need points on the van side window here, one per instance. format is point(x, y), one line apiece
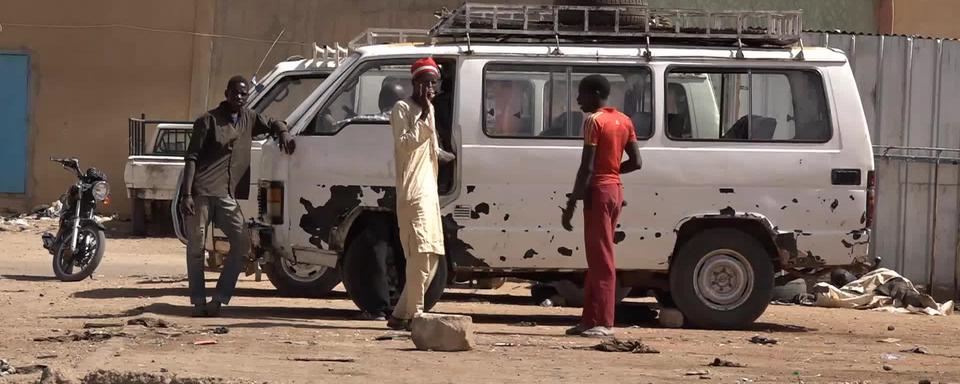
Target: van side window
point(365, 98)
point(746, 105)
point(538, 101)
point(287, 94)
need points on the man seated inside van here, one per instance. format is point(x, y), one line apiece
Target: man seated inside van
point(508, 114)
point(390, 93)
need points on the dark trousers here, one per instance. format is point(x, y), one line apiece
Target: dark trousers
point(225, 213)
point(600, 223)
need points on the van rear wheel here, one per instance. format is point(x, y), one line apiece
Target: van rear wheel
point(721, 279)
point(373, 271)
point(301, 280)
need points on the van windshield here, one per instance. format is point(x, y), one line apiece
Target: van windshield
point(287, 94)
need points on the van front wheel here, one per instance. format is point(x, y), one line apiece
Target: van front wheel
point(721, 279)
point(373, 271)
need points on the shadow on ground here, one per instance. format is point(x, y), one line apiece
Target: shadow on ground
point(28, 278)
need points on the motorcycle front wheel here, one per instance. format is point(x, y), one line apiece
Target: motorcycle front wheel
point(91, 243)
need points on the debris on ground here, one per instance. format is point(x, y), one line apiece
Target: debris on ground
point(221, 330)
point(889, 340)
point(504, 344)
point(524, 324)
point(891, 357)
point(918, 349)
point(115, 377)
point(87, 335)
point(170, 333)
point(324, 359)
point(891, 328)
point(101, 325)
point(52, 375)
point(887, 368)
point(205, 342)
point(6, 368)
point(151, 322)
point(393, 336)
point(616, 345)
point(881, 290)
point(718, 362)
point(763, 340)
point(702, 372)
point(295, 342)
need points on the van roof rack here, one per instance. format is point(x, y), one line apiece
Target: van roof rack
point(390, 36)
point(623, 24)
point(327, 56)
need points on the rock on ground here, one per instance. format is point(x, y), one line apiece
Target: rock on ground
point(447, 333)
point(51, 375)
point(670, 318)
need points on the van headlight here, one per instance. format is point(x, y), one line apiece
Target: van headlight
point(101, 190)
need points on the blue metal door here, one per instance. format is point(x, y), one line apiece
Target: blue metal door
point(14, 71)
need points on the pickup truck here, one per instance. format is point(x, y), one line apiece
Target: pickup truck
point(154, 166)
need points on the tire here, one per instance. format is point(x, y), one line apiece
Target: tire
point(602, 19)
point(92, 244)
point(746, 276)
point(373, 271)
point(301, 280)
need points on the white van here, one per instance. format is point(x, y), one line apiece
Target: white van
point(756, 160)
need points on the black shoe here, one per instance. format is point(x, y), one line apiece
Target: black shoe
point(368, 316)
point(213, 308)
point(398, 324)
point(199, 310)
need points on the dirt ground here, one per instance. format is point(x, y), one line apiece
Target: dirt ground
point(266, 334)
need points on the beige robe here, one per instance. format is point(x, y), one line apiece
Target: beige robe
point(416, 150)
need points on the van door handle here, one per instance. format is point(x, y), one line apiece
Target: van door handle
point(845, 177)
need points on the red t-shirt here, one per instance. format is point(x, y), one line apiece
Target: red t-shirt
point(609, 131)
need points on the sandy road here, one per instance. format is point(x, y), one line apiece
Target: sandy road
point(143, 277)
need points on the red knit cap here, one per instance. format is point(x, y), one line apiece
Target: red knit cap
point(424, 65)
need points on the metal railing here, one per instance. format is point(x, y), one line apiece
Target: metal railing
point(553, 21)
point(937, 157)
point(137, 131)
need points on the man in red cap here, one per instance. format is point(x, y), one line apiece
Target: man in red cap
point(417, 155)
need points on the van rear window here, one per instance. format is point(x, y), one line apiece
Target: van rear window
point(538, 101)
point(756, 105)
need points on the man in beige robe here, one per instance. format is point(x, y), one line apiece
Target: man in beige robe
point(417, 156)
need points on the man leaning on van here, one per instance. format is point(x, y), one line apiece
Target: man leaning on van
point(216, 173)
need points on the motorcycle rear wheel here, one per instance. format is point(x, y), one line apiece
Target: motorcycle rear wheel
point(91, 244)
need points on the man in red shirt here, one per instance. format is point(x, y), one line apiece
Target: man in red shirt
point(607, 133)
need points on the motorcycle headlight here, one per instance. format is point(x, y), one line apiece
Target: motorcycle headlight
point(101, 190)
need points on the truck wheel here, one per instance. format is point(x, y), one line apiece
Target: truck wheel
point(301, 280)
point(373, 271)
point(721, 279)
point(139, 216)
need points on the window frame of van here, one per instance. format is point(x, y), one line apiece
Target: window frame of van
point(549, 66)
point(358, 69)
point(741, 69)
point(256, 103)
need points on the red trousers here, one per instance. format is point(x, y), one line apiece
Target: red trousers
point(600, 224)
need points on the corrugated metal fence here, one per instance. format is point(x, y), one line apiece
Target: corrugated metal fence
point(910, 89)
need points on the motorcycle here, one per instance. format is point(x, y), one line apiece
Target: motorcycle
point(79, 244)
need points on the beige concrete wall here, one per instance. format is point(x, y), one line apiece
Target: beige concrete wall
point(927, 18)
point(86, 82)
point(306, 21)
